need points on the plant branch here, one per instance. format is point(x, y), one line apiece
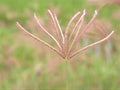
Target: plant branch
point(92, 45)
point(77, 33)
point(55, 25)
point(39, 24)
point(37, 39)
point(86, 27)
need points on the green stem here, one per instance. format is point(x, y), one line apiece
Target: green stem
point(67, 74)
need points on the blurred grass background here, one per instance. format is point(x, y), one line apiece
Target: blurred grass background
point(27, 65)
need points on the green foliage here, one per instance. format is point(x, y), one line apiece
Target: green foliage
point(99, 75)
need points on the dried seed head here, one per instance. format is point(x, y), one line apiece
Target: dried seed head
point(63, 40)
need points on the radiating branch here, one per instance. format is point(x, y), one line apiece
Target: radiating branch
point(69, 24)
point(78, 31)
point(36, 38)
point(78, 22)
point(87, 26)
point(92, 45)
point(59, 28)
point(39, 24)
point(55, 25)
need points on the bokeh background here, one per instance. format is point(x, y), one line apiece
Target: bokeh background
point(28, 65)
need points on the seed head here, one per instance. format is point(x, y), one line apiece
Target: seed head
point(64, 41)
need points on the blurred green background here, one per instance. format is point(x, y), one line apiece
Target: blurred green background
point(28, 65)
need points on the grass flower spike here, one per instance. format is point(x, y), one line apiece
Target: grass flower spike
point(64, 41)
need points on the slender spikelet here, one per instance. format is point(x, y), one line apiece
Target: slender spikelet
point(64, 42)
point(42, 28)
point(92, 45)
point(79, 23)
point(69, 24)
point(36, 38)
point(55, 25)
